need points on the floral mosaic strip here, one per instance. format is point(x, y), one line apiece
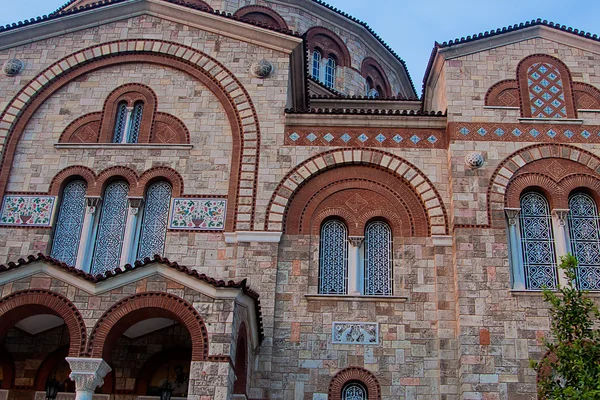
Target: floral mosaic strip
point(198, 214)
point(355, 333)
point(523, 132)
point(27, 210)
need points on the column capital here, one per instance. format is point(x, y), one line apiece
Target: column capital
point(512, 214)
point(92, 202)
point(561, 214)
point(356, 241)
point(87, 373)
point(134, 204)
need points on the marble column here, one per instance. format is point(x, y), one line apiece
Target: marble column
point(88, 374)
point(355, 271)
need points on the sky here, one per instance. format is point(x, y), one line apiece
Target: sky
point(412, 27)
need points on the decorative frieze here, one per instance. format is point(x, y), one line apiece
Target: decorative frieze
point(27, 210)
point(198, 214)
point(551, 132)
point(355, 333)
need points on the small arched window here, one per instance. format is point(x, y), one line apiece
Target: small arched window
point(378, 259)
point(128, 122)
point(111, 228)
point(136, 122)
point(330, 72)
point(537, 242)
point(316, 64)
point(69, 223)
point(354, 391)
point(154, 221)
point(584, 232)
point(120, 122)
point(333, 268)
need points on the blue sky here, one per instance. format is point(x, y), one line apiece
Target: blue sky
point(411, 27)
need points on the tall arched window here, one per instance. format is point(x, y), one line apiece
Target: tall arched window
point(120, 122)
point(333, 271)
point(111, 228)
point(128, 122)
point(69, 222)
point(330, 72)
point(378, 259)
point(154, 221)
point(316, 64)
point(537, 242)
point(584, 232)
point(136, 122)
point(354, 391)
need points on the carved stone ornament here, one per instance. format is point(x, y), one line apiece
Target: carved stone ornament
point(92, 203)
point(88, 373)
point(355, 333)
point(561, 214)
point(261, 69)
point(513, 215)
point(474, 160)
point(134, 204)
point(356, 241)
point(13, 67)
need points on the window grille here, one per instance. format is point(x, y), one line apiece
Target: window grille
point(154, 222)
point(69, 223)
point(354, 391)
point(316, 64)
point(537, 242)
point(330, 72)
point(378, 259)
point(546, 94)
point(111, 228)
point(136, 122)
point(333, 272)
point(584, 232)
point(120, 122)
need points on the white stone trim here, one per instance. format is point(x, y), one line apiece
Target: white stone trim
point(339, 297)
point(554, 121)
point(121, 146)
point(257, 237)
point(442, 240)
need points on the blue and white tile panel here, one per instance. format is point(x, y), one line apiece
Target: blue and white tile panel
point(550, 133)
point(371, 137)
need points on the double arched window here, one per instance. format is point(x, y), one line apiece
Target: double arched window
point(316, 64)
point(324, 69)
point(128, 122)
point(117, 229)
point(355, 265)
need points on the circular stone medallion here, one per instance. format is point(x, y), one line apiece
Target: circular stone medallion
point(13, 67)
point(261, 69)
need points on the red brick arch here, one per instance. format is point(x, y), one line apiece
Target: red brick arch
point(142, 306)
point(261, 15)
point(71, 173)
point(111, 174)
point(522, 183)
point(26, 303)
point(504, 94)
point(354, 374)
point(328, 42)
point(229, 91)
point(159, 173)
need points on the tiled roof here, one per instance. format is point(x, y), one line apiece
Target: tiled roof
point(140, 264)
point(501, 31)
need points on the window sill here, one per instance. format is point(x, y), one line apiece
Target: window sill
point(557, 121)
point(539, 293)
point(120, 146)
point(337, 297)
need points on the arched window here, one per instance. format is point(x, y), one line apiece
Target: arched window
point(136, 122)
point(537, 242)
point(120, 122)
point(69, 222)
point(546, 94)
point(584, 232)
point(333, 271)
point(378, 259)
point(154, 221)
point(354, 391)
point(111, 228)
point(128, 122)
point(330, 72)
point(316, 64)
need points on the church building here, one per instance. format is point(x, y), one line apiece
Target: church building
point(252, 200)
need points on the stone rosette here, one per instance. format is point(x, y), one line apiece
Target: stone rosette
point(261, 69)
point(13, 67)
point(474, 160)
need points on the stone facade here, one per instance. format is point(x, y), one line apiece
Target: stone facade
point(255, 173)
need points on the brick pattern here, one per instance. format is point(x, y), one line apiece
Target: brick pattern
point(354, 374)
point(523, 132)
point(504, 94)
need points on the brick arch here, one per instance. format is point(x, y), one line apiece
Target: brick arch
point(68, 174)
point(504, 94)
point(418, 183)
point(550, 189)
point(158, 173)
point(587, 97)
point(390, 218)
point(332, 213)
point(509, 167)
point(575, 182)
point(262, 15)
point(133, 309)
point(370, 68)
point(8, 368)
point(354, 374)
point(83, 130)
point(26, 303)
point(329, 43)
point(215, 76)
point(111, 174)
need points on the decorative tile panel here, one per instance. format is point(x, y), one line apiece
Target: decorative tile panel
point(27, 210)
point(546, 93)
point(198, 214)
point(361, 137)
point(366, 333)
point(523, 132)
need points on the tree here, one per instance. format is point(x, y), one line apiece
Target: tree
point(571, 368)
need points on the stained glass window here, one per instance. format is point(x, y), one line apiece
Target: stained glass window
point(154, 222)
point(378, 259)
point(111, 228)
point(69, 223)
point(120, 122)
point(537, 242)
point(354, 391)
point(136, 122)
point(330, 72)
point(584, 232)
point(546, 94)
point(333, 271)
point(316, 64)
